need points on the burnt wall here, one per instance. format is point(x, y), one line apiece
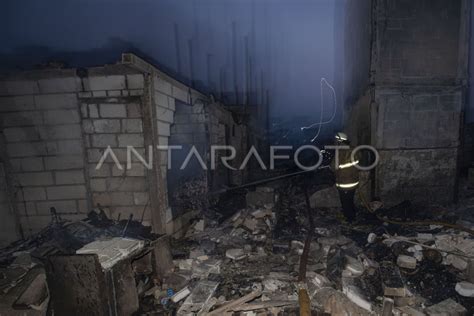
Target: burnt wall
point(57, 127)
point(419, 73)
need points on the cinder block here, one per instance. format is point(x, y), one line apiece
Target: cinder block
point(180, 94)
point(84, 111)
point(60, 117)
point(163, 128)
point(132, 126)
point(98, 185)
point(163, 114)
point(136, 92)
point(162, 86)
point(21, 87)
point(106, 126)
point(93, 111)
point(113, 110)
point(135, 140)
point(27, 164)
point(99, 94)
point(26, 208)
point(56, 101)
point(137, 170)
point(70, 177)
point(140, 198)
point(114, 93)
point(62, 207)
point(26, 149)
point(25, 118)
point(130, 184)
point(104, 170)
point(17, 104)
point(59, 85)
point(34, 194)
point(35, 178)
point(87, 126)
point(112, 198)
point(116, 82)
point(82, 207)
point(65, 147)
point(94, 155)
point(66, 192)
point(104, 140)
point(134, 110)
point(171, 103)
point(161, 99)
point(21, 134)
point(135, 81)
point(83, 95)
point(64, 162)
point(52, 132)
point(163, 140)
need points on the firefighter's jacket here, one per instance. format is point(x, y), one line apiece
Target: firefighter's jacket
point(347, 175)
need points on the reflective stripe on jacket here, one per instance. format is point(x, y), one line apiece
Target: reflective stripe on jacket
point(347, 175)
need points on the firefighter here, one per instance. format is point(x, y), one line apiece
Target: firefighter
point(347, 175)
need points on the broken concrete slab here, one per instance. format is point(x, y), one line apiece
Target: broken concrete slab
point(447, 308)
point(112, 250)
point(392, 281)
point(199, 297)
point(180, 295)
point(456, 261)
point(235, 254)
point(406, 262)
point(465, 289)
point(410, 311)
point(334, 302)
point(354, 266)
point(355, 294)
point(387, 307)
point(199, 226)
point(272, 285)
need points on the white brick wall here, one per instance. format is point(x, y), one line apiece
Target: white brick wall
point(56, 133)
point(96, 83)
point(113, 110)
point(59, 85)
point(69, 177)
point(66, 192)
point(56, 101)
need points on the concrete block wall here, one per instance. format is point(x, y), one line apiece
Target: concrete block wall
point(224, 129)
point(8, 226)
point(57, 126)
point(418, 41)
point(42, 131)
point(418, 65)
point(116, 121)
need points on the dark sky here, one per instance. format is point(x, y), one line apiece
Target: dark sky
point(290, 42)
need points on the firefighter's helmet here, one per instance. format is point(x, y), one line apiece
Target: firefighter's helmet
point(341, 137)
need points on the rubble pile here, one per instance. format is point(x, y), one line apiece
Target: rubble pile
point(23, 275)
point(249, 264)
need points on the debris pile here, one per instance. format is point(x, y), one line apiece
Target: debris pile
point(249, 264)
point(25, 285)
